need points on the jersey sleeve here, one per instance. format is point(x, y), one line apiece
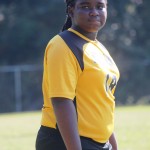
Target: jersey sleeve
point(62, 72)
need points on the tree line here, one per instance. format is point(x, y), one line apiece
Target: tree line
point(26, 26)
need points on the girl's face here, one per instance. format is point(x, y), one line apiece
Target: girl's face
point(89, 15)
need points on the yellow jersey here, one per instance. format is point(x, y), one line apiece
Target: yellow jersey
point(76, 67)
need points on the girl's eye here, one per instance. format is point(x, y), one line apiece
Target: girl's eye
point(85, 7)
point(100, 7)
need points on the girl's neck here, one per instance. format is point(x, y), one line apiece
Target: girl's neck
point(89, 35)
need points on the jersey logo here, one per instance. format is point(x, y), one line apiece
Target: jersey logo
point(111, 83)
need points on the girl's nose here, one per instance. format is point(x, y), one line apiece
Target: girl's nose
point(94, 12)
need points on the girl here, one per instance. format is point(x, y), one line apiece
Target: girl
point(79, 81)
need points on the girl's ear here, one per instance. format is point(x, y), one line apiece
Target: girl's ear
point(70, 11)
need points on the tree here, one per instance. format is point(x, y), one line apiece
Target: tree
point(26, 26)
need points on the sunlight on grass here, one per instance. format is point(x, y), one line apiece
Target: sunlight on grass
point(18, 130)
point(133, 127)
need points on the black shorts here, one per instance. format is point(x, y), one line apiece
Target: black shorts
point(50, 139)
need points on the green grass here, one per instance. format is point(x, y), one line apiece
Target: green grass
point(18, 130)
point(132, 127)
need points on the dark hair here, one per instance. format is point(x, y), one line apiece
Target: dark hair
point(68, 22)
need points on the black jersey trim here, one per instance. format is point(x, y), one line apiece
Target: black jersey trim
point(75, 43)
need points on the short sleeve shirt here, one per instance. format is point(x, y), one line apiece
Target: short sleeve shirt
point(92, 86)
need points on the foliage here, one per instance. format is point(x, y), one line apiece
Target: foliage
point(127, 39)
point(26, 26)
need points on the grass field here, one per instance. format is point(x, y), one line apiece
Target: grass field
point(18, 131)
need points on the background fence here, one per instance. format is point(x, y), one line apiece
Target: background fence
point(20, 88)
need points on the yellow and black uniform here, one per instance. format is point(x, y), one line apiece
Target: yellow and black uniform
point(83, 71)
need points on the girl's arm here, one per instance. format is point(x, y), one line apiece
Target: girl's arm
point(67, 122)
point(113, 142)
